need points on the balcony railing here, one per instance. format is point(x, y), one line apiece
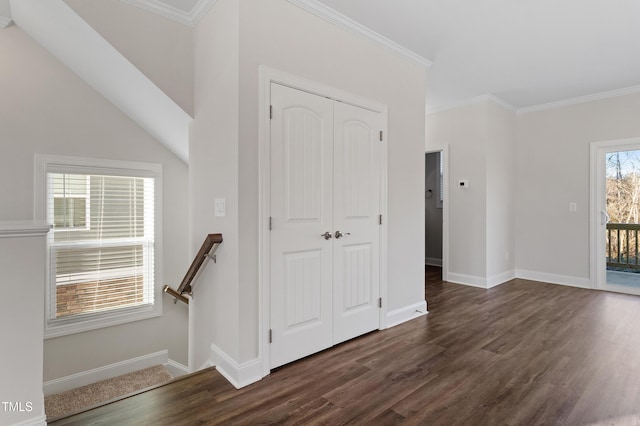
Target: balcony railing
point(622, 245)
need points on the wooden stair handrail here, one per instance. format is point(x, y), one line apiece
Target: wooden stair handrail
point(211, 241)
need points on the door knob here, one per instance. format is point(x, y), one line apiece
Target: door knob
point(327, 235)
point(340, 234)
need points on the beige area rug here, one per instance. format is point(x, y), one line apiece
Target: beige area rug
point(79, 399)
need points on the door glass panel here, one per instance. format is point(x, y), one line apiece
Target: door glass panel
point(623, 221)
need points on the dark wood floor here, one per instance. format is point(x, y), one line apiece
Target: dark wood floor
point(522, 353)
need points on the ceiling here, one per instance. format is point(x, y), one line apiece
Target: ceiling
point(524, 53)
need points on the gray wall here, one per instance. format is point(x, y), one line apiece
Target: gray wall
point(283, 36)
point(46, 109)
point(552, 170)
point(481, 138)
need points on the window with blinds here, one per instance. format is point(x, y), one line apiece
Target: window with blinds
point(102, 242)
point(102, 246)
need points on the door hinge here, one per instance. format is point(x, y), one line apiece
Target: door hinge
point(270, 112)
point(270, 336)
point(270, 223)
point(379, 219)
point(380, 302)
point(380, 135)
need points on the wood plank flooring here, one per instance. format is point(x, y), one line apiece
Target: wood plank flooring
point(523, 353)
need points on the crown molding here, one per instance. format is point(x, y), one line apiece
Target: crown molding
point(4, 22)
point(473, 101)
point(535, 108)
point(348, 24)
point(163, 9)
point(581, 99)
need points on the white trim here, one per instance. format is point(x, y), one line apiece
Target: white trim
point(10, 229)
point(239, 375)
point(432, 261)
point(406, 313)
point(330, 15)
point(554, 278)
point(175, 368)
point(581, 99)
point(470, 280)
point(160, 8)
point(107, 372)
point(597, 182)
point(473, 101)
point(535, 108)
point(41, 420)
point(267, 77)
point(501, 278)
point(5, 21)
point(43, 164)
point(97, 321)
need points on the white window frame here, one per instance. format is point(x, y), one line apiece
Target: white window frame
point(87, 211)
point(54, 163)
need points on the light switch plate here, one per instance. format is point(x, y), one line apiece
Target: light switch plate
point(220, 207)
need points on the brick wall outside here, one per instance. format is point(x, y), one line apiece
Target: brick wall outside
point(98, 296)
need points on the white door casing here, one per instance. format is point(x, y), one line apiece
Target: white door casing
point(325, 179)
point(599, 217)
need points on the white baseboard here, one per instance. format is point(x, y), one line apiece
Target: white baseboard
point(554, 278)
point(107, 372)
point(406, 313)
point(176, 369)
point(432, 261)
point(35, 421)
point(239, 375)
point(501, 278)
point(470, 280)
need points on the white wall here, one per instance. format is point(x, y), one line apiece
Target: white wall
point(481, 139)
point(159, 47)
point(213, 173)
point(464, 129)
point(22, 273)
point(280, 35)
point(552, 170)
point(285, 37)
point(500, 194)
point(46, 109)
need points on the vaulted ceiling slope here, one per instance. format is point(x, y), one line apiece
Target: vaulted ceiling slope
point(71, 40)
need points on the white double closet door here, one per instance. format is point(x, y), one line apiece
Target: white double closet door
point(325, 233)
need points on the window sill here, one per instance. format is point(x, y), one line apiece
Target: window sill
point(65, 327)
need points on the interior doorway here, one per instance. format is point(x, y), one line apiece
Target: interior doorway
point(433, 203)
point(436, 214)
point(616, 228)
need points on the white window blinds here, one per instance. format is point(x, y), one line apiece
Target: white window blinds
point(102, 245)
